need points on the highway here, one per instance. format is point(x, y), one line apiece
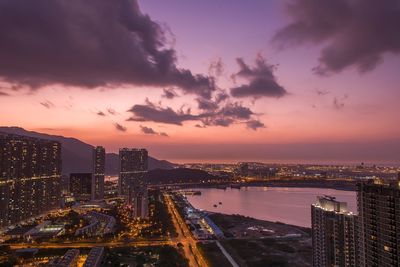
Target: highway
point(185, 236)
point(92, 244)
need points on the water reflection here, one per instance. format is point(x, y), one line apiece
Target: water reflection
point(285, 204)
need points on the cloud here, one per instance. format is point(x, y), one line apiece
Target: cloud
point(221, 96)
point(4, 93)
point(101, 113)
point(254, 124)
point(339, 103)
point(112, 111)
point(261, 80)
point(321, 92)
point(228, 114)
point(47, 104)
point(89, 44)
point(352, 33)
point(151, 112)
point(216, 67)
point(119, 127)
point(169, 93)
point(206, 104)
point(235, 110)
point(148, 130)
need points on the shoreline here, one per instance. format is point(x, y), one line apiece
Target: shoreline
point(326, 184)
point(249, 218)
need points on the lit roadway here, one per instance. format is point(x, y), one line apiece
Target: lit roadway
point(185, 236)
point(93, 244)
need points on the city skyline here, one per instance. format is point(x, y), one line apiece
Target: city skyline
point(269, 102)
point(199, 133)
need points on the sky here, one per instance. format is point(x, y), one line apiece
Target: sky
point(208, 81)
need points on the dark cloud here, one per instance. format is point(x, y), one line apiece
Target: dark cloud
point(148, 130)
point(4, 93)
point(221, 96)
point(218, 121)
point(228, 114)
point(120, 127)
point(89, 44)
point(261, 80)
point(101, 113)
point(235, 110)
point(112, 111)
point(169, 93)
point(254, 124)
point(206, 104)
point(151, 112)
point(47, 104)
point(353, 33)
point(214, 103)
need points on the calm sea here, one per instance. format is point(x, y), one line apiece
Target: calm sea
point(284, 204)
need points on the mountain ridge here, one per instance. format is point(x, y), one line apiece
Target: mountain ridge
point(77, 155)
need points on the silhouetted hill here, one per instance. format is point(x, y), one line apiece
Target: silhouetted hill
point(77, 155)
point(180, 175)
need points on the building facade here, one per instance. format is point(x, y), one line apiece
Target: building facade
point(94, 257)
point(132, 181)
point(334, 234)
point(379, 212)
point(99, 169)
point(80, 185)
point(30, 173)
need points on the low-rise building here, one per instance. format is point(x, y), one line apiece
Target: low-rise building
point(45, 229)
point(70, 259)
point(94, 257)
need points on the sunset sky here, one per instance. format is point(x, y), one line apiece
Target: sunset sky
point(218, 81)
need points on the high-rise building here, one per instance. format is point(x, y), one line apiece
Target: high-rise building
point(132, 181)
point(334, 234)
point(99, 168)
point(80, 185)
point(379, 213)
point(30, 171)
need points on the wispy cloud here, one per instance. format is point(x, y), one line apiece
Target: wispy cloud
point(169, 93)
point(112, 111)
point(339, 103)
point(255, 124)
point(119, 127)
point(151, 131)
point(47, 104)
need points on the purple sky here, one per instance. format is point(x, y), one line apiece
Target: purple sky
point(208, 80)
